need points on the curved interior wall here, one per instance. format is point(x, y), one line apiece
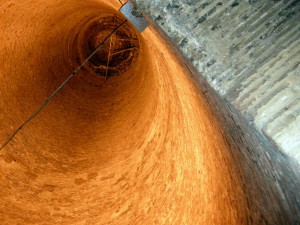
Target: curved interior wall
point(248, 51)
point(144, 146)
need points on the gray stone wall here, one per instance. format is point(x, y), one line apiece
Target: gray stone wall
point(248, 51)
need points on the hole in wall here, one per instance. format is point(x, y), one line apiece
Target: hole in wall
point(117, 54)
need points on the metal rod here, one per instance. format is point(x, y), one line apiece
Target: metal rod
point(121, 2)
point(75, 72)
point(124, 39)
point(127, 49)
point(108, 57)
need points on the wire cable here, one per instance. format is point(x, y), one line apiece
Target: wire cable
point(75, 72)
point(108, 59)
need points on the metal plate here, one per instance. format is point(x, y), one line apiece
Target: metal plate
point(135, 16)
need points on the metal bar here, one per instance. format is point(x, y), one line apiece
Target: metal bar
point(124, 50)
point(121, 2)
point(108, 56)
point(125, 39)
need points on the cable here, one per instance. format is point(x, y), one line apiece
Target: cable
point(75, 72)
point(108, 60)
point(121, 2)
point(127, 49)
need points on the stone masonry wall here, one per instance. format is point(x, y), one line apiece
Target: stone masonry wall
point(248, 51)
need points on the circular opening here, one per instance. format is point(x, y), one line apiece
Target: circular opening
point(119, 51)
